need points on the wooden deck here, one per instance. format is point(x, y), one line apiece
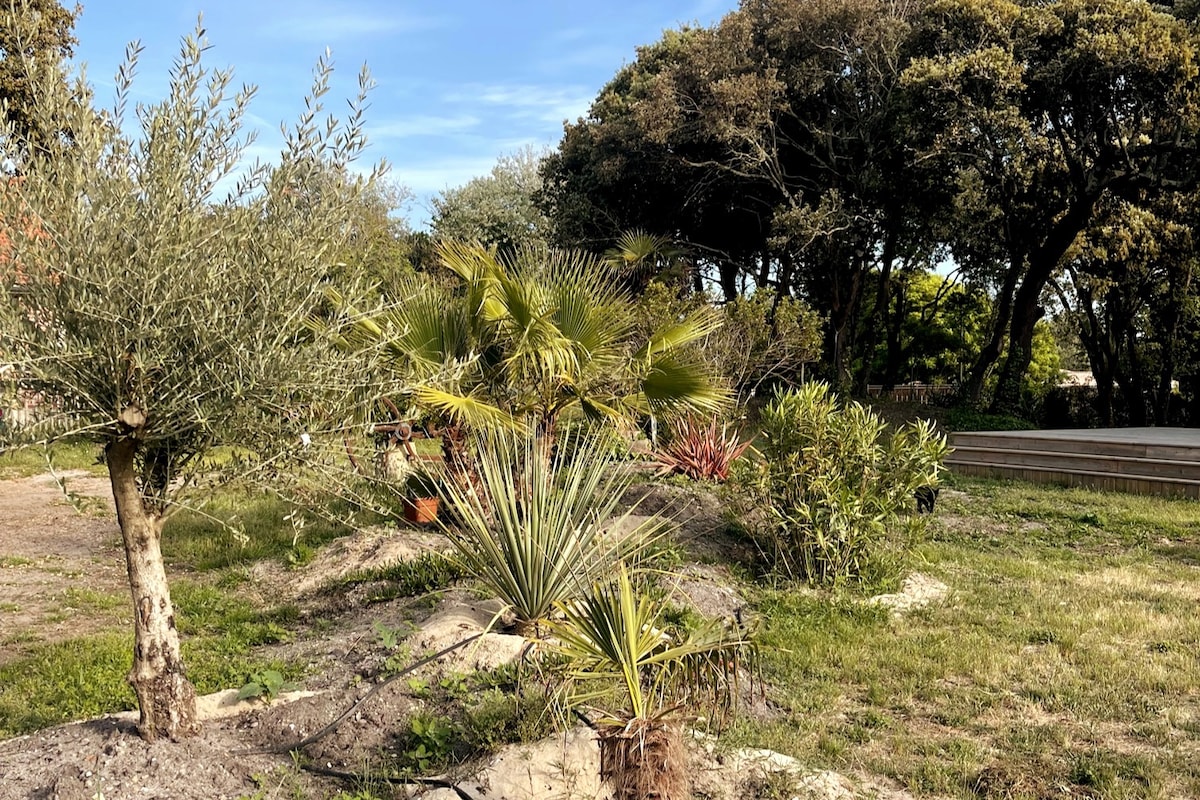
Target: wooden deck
point(1140, 460)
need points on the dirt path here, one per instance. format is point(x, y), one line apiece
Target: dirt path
point(57, 564)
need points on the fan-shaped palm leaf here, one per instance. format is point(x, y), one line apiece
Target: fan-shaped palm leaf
point(670, 383)
point(463, 408)
point(616, 632)
point(638, 249)
point(694, 327)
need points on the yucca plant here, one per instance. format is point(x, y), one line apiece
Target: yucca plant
point(539, 530)
point(703, 452)
point(615, 634)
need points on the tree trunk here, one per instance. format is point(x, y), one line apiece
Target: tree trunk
point(1026, 313)
point(1169, 319)
point(645, 760)
point(893, 323)
point(846, 296)
point(1101, 357)
point(876, 320)
point(1135, 387)
point(727, 273)
point(1027, 309)
point(166, 698)
point(989, 354)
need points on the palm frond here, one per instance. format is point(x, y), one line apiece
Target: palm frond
point(694, 327)
point(463, 408)
point(479, 269)
point(636, 248)
point(615, 632)
point(429, 329)
point(674, 383)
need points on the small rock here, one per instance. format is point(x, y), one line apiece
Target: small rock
point(917, 591)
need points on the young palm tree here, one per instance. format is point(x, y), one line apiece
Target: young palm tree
point(639, 257)
point(615, 634)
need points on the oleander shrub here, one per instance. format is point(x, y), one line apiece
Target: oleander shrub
point(832, 498)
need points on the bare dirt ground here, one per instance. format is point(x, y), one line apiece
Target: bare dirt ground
point(50, 553)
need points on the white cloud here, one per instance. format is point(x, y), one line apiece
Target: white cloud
point(599, 56)
point(329, 27)
point(431, 177)
point(551, 104)
point(421, 125)
point(567, 35)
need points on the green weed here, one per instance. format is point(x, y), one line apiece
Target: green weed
point(76, 597)
point(428, 572)
point(239, 527)
point(265, 684)
point(85, 677)
point(65, 681)
point(26, 462)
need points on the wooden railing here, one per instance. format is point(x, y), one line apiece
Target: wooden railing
point(911, 392)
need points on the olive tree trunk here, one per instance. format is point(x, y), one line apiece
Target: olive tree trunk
point(166, 698)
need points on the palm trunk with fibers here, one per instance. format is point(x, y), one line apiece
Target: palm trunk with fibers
point(165, 696)
point(645, 760)
point(458, 459)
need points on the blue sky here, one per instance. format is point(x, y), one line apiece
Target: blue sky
point(460, 82)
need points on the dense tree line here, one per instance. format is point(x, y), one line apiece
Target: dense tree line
point(836, 150)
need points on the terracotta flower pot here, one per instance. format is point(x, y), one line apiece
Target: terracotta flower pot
point(421, 510)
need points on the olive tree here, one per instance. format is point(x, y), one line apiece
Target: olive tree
point(154, 289)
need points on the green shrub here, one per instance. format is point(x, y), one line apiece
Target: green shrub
point(834, 492)
point(969, 419)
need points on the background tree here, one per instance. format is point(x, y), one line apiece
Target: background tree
point(828, 150)
point(931, 329)
point(497, 209)
point(618, 170)
point(160, 320)
point(770, 145)
point(39, 37)
point(379, 247)
point(1128, 290)
point(1048, 109)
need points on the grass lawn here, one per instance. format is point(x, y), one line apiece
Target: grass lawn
point(26, 462)
point(1064, 661)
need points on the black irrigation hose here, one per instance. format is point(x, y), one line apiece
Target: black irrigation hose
point(305, 742)
point(440, 783)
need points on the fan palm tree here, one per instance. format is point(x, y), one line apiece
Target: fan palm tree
point(639, 257)
point(615, 633)
point(533, 335)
